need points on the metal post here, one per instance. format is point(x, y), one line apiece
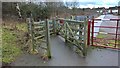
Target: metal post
point(48, 38)
point(116, 33)
point(92, 31)
point(88, 36)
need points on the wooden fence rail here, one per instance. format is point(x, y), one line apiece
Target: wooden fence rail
point(74, 32)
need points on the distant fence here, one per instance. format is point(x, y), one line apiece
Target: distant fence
point(84, 17)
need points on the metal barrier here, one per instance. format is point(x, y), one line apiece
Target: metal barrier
point(110, 39)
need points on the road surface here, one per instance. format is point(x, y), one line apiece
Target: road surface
point(62, 55)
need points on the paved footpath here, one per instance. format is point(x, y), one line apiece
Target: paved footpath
point(62, 55)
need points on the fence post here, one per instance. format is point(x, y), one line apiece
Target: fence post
point(80, 32)
point(29, 25)
point(65, 24)
point(31, 31)
point(32, 35)
point(116, 33)
point(48, 38)
point(85, 38)
point(92, 31)
point(54, 25)
point(88, 36)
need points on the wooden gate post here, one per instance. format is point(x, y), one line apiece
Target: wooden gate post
point(80, 32)
point(54, 26)
point(65, 24)
point(31, 31)
point(85, 38)
point(48, 38)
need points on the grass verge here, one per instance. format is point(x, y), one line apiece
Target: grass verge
point(11, 41)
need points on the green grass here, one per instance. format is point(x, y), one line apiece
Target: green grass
point(110, 41)
point(9, 48)
point(118, 41)
point(101, 36)
point(7, 36)
point(113, 41)
point(22, 26)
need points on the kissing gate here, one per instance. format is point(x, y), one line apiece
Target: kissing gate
point(80, 34)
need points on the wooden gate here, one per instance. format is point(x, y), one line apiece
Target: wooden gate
point(74, 32)
point(40, 37)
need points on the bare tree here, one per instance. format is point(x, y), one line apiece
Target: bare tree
point(55, 7)
point(73, 5)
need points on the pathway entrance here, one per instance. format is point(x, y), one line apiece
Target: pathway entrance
point(62, 55)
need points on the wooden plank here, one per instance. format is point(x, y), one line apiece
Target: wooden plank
point(51, 29)
point(78, 46)
point(42, 40)
point(43, 47)
point(39, 37)
point(39, 27)
point(71, 21)
point(76, 39)
point(75, 29)
point(41, 22)
point(39, 32)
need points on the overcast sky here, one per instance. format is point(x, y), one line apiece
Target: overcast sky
point(96, 3)
point(89, 3)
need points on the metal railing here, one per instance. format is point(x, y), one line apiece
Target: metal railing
point(110, 39)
